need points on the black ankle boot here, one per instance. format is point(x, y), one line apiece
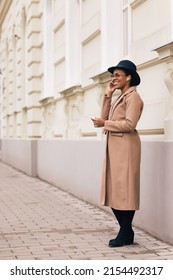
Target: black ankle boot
point(122, 239)
point(126, 233)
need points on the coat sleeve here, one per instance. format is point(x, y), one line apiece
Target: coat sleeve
point(134, 106)
point(106, 105)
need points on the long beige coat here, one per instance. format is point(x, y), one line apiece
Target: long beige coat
point(121, 169)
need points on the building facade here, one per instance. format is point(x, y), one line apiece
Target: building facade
point(54, 56)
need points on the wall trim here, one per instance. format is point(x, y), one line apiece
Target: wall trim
point(135, 3)
point(88, 134)
point(159, 131)
point(91, 37)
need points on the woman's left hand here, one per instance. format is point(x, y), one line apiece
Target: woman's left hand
point(98, 122)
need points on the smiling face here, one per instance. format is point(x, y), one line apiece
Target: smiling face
point(120, 80)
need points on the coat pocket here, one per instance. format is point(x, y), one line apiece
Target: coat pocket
point(119, 134)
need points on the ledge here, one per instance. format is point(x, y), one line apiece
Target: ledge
point(47, 100)
point(158, 131)
point(165, 51)
point(72, 91)
point(101, 77)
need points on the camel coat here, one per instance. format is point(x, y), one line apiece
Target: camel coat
point(121, 169)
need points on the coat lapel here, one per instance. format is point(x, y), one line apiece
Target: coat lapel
point(118, 100)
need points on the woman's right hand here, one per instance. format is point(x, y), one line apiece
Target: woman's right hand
point(110, 89)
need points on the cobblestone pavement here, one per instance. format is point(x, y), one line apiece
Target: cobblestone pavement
point(38, 221)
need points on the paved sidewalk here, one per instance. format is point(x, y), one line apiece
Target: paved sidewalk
point(41, 222)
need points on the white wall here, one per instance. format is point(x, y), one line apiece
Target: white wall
point(22, 154)
point(76, 167)
point(156, 210)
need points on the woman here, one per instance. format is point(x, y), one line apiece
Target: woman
point(121, 172)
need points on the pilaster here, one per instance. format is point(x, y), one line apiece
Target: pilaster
point(111, 51)
point(165, 53)
point(34, 68)
point(72, 49)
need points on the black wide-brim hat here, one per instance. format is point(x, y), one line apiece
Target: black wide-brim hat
point(130, 67)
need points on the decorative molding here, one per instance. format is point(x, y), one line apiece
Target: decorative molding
point(91, 37)
point(101, 77)
point(47, 100)
point(135, 3)
point(169, 81)
point(59, 25)
point(31, 3)
point(58, 135)
point(32, 18)
point(72, 91)
point(159, 131)
point(39, 76)
point(4, 6)
point(59, 61)
point(30, 107)
point(165, 52)
point(89, 134)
